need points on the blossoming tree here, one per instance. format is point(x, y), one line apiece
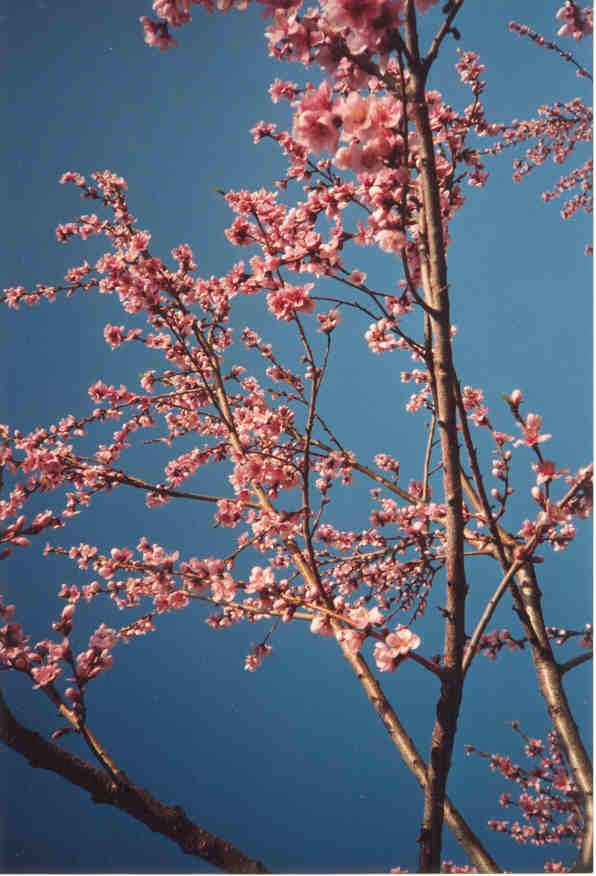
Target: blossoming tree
point(378, 160)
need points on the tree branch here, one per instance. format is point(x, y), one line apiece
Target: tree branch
point(170, 821)
point(575, 661)
point(460, 829)
point(436, 296)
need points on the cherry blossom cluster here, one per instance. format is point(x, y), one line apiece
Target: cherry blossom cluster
point(364, 26)
point(577, 22)
point(170, 585)
point(283, 463)
point(143, 283)
point(491, 644)
point(192, 401)
point(548, 798)
point(44, 661)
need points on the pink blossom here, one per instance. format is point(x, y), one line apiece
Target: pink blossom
point(320, 624)
point(282, 89)
point(157, 34)
point(255, 659)
point(479, 416)
point(260, 579)
point(314, 122)
point(353, 111)
point(328, 321)
point(223, 587)
point(45, 674)
point(471, 398)
point(358, 278)
point(104, 638)
point(289, 300)
point(369, 158)
point(178, 599)
point(384, 658)
point(352, 639)
point(563, 782)
point(575, 24)
point(402, 641)
point(67, 612)
point(391, 241)
point(359, 616)
point(379, 338)
point(375, 616)
point(387, 463)
point(363, 22)
point(546, 471)
point(531, 431)
point(121, 555)
point(396, 644)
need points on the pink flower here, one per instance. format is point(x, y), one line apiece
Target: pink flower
point(546, 471)
point(352, 639)
point(320, 624)
point(318, 132)
point(157, 34)
point(402, 641)
point(114, 335)
point(45, 674)
point(67, 612)
point(224, 587)
point(288, 300)
point(379, 338)
point(354, 112)
point(178, 599)
point(396, 644)
point(358, 278)
point(575, 24)
point(471, 398)
point(104, 638)
point(364, 21)
point(315, 124)
point(479, 416)
point(375, 616)
point(369, 158)
point(282, 89)
point(359, 616)
point(260, 579)
point(531, 432)
point(255, 659)
point(384, 658)
point(353, 14)
point(391, 241)
point(328, 321)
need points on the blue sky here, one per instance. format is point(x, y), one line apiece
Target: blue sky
point(288, 763)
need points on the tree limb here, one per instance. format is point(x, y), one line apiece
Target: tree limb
point(170, 821)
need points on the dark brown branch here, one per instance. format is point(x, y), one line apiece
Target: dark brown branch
point(478, 855)
point(436, 296)
point(446, 28)
point(170, 821)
